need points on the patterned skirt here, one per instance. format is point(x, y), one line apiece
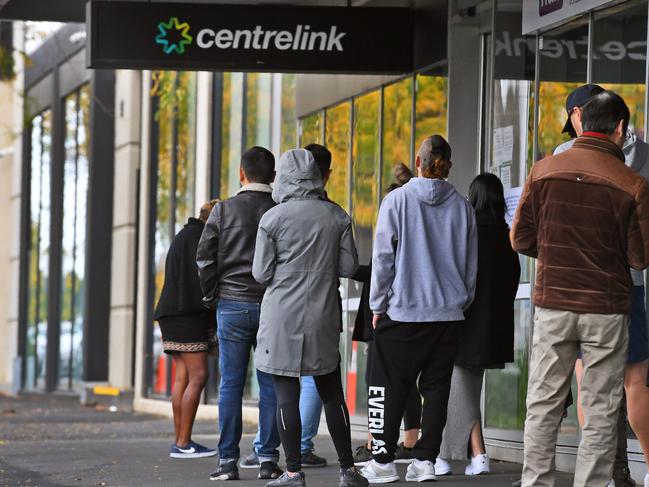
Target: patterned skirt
point(194, 332)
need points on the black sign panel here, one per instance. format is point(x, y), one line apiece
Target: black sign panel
point(143, 35)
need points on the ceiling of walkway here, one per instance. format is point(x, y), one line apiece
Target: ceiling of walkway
point(74, 10)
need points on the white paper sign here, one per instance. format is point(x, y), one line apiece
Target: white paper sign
point(506, 176)
point(503, 147)
point(512, 197)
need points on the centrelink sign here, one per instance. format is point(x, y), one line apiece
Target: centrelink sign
point(152, 35)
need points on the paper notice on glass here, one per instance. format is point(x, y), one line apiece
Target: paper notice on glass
point(503, 148)
point(512, 197)
point(506, 176)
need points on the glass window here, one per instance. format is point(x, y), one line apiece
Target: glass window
point(39, 245)
point(75, 192)
point(311, 129)
point(258, 106)
point(431, 106)
point(337, 138)
point(397, 128)
point(173, 166)
point(231, 133)
point(619, 63)
point(288, 115)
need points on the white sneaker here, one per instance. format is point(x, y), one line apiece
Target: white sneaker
point(646, 480)
point(420, 471)
point(612, 483)
point(479, 465)
point(380, 473)
point(442, 467)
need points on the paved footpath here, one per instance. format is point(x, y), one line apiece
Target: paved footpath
point(47, 441)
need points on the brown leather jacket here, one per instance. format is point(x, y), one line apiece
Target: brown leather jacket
point(585, 216)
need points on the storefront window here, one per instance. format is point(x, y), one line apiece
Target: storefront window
point(311, 129)
point(39, 245)
point(173, 168)
point(231, 133)
point(75, 193)
point(431, 106)
point(258, 106)
point(337, 138)
point(288, 115)
point(397, 128)
point(619, 64)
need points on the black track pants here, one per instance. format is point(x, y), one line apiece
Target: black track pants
point(401, 353)
point(330, 390)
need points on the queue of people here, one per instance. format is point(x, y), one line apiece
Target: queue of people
point(437, 309)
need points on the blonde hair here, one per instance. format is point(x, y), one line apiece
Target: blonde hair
point(206, 209)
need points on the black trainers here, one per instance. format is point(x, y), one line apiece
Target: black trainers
point(226, 471)
point(622, 475)
point(311, 460)
point(269, 470)
point(351, 477)
point(362, 456)
point(403, 454)
point(287, 481)
point(251, 461)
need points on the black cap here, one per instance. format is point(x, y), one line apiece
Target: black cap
point(440, 147)
point(578, 98)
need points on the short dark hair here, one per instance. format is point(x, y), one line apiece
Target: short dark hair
point(487, 196)
point(603, 112)
point(258, 165)
point(322, 157)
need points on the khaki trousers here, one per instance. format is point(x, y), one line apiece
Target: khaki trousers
point(558, 336)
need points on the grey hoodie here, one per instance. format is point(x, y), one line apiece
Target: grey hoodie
point(425, 257)
point(304, 245)
point(636, 155)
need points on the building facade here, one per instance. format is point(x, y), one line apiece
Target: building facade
point(106, 166)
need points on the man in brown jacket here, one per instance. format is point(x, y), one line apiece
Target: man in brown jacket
point(585, 216)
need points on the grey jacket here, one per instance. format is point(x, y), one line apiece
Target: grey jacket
point(304, 245)
point(636, 153)
point(425, 258)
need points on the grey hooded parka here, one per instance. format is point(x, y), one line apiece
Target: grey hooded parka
point(304, 245)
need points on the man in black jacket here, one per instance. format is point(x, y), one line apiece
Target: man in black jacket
point(224, 257)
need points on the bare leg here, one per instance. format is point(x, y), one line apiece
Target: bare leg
point(411, 438)
point(196, 365)
point(369, 441)
point(637, 403)
point(180, 384)
point(475, 441)
point(579, 372)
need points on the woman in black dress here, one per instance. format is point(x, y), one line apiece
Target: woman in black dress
point(188, 332)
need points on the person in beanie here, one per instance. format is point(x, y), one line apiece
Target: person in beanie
point(224, 257)
point(188, 333)
point(424, 267)
point(585, 216)
point(304, 245)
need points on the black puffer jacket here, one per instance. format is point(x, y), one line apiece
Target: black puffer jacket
point(181, 293)
point(487, 336)
point(227, 247)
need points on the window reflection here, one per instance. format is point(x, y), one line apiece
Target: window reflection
point(75, 192)
point(289, 116)
point(431, 106)
point(337, 132)
point(38, 285)
point(311, 129)
point(397, 128)
point(231, 133)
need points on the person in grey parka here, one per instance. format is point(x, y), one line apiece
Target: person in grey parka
point(304, 245)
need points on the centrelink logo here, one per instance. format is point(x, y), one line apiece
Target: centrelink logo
point(174, 37)
point(549, 6)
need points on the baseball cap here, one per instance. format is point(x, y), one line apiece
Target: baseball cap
point(440, 147)
point(578, 98)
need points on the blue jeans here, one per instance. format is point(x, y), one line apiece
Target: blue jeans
point(310, 410)
point(237, 331)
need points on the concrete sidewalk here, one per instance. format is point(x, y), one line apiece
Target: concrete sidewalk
point(52, 441)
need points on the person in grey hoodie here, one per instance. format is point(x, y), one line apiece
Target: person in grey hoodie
point(304, 245)
point(424, 268)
